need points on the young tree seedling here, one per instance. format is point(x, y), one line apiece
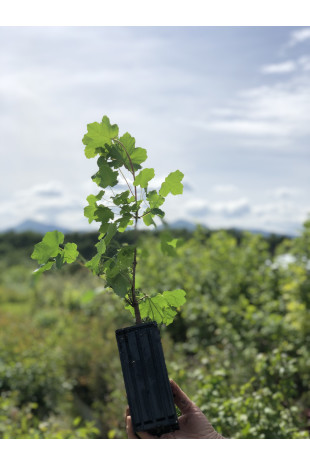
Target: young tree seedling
point(134, 202)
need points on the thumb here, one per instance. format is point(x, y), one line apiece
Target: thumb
point(180, 398)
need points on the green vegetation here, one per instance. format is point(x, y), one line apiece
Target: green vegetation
point(116, 213)
point(239, 346)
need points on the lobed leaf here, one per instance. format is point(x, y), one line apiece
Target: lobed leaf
point(155, 200)
point(158, 212)
point(45, 267)
point(123, 222)
point(48, 247)
point(103, 214)
point(70, 252)
point(162, 307)
point(89, 211)
point(172, 184)
point(94, 263)
point(110, 233)
point(120, 284)
point(105, 176)
point(98, 136)
point(175, 298)
point(148, 217)
point(168, 244)
point(143, 178)
point(121, 261)
point(136, 154)
point(120, 199)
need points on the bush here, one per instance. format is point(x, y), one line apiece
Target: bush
point(239, 347)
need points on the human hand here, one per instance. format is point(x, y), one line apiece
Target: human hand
point(193, 423)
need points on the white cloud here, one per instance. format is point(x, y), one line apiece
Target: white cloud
point(225, 188)
point(229, 209)
point(149, 81)
point(50, 189)
point(298, 36)
point(284, 193)
point(247, 127)
point(300, 64)
point(50, 203)
point(304, 62)
point(274, 115)
point(279, 211)
point(279, 68)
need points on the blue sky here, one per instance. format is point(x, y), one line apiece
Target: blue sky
point(228, 106)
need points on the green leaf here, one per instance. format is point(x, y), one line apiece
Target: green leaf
point(59, 260)
point(111, 130)
point(154, 199)
point(43, 268)
point(89, 211)
point(105, 176)
point(124, 222)
point(148, 217)
point(114, 154)
point(175, 298)
point(152, 308)
point(167, 244)
point(48, 247)
point(98, 135)
point(70, 252)
point(158, 212)
point(125, 257)
point(172, 184)
point(120, 199)
point(173, 243)
point(94, 263)
point(135, 207)
point(129, 143)
point(120, 284)
point(137, 155)
point(121, 261)
point(103, 214)
point(101, 246)
point(157, 309)
point(169, 316)
point(143, 178)
point(111, 231)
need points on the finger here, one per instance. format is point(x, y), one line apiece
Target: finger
point(181, 399)
point(127, 413)
point(129, 428)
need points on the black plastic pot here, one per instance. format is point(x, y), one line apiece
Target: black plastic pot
point(146, 380)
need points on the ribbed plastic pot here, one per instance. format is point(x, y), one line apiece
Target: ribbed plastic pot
point(146, 379)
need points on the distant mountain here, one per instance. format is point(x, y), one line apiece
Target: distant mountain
point(36, 226)
point(262, 232)
point(182, 224)
point(42, 228)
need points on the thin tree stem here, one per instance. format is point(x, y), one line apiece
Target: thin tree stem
point(135, 302)
point(126, 181)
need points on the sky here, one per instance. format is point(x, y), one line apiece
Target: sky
point(227, 106)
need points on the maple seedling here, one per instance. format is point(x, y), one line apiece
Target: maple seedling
point(118, 156)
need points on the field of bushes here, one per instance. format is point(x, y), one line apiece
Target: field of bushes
point(239, 347)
